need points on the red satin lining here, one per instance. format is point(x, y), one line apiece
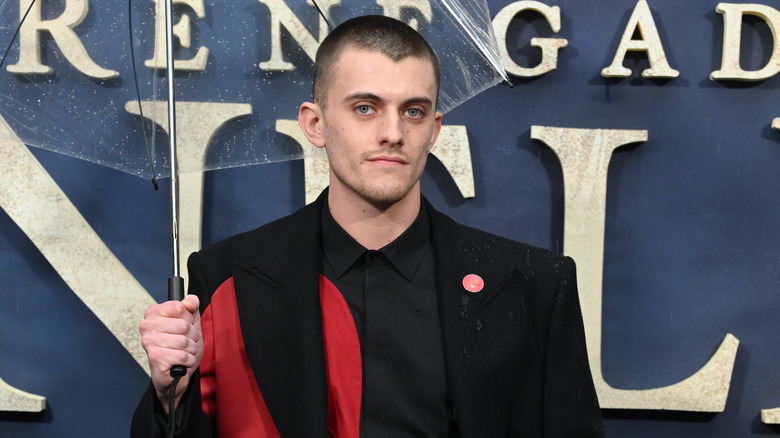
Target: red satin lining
point(228, 386)
point(342, 362)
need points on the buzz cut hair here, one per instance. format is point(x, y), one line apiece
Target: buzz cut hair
point(378, 33)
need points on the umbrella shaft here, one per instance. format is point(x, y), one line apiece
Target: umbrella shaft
point(172, 137)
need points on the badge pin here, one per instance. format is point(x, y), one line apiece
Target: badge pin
point(473, 283)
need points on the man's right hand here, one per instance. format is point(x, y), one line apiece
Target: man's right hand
point(171, 335)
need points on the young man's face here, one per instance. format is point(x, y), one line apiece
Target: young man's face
point(379, 124)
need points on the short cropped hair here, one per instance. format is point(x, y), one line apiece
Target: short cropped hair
point(386, 35)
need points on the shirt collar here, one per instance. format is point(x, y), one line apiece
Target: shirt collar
point(405, 253)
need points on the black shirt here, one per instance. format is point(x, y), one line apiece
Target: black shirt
point(391, 293)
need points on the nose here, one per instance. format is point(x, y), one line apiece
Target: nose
point(391, 131)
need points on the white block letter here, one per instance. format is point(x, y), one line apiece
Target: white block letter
point(732, 36)
point(641, 18)
point(182, 32)
point(282, 15)
point(61, 31)
point(549, 46)
point(585, 156)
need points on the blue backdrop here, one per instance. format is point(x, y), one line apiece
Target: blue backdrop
point(691, 253)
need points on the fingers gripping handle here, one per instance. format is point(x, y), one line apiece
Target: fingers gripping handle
point(176, 292)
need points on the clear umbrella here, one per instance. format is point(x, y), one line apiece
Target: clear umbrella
point(67, 83)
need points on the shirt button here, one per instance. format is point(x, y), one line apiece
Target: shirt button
point(373, 255)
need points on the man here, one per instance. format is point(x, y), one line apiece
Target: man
point(368, 313)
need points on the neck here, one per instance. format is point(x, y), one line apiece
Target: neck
point(370, 225)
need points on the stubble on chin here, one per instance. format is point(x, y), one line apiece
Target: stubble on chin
point(383, 197)
point(380, 194)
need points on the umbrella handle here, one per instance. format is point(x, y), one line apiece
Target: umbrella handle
point(176, 292)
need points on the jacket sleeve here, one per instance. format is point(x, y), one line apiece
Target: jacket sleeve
point(150, 421)
point(571, 407)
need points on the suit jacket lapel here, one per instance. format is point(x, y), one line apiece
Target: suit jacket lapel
point(281, 322)
point(462, 313)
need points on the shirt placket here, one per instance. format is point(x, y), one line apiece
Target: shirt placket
point(376, 295)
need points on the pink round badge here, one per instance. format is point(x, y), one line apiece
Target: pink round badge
point(473, 283)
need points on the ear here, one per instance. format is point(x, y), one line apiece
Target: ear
point(436, 131)
point(310, 119)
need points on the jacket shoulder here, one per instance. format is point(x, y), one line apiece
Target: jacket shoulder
point(497, 250)
point(216, 262)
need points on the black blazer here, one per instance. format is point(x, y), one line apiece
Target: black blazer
point(515, 352)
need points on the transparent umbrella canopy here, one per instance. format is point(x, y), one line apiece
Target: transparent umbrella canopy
point(72, 78)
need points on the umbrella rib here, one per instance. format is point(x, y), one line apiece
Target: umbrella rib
point(323, 13)
point(138, 96)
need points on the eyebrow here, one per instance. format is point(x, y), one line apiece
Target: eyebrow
point(420, 100)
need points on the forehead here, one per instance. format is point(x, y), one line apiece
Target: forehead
point(363, 70)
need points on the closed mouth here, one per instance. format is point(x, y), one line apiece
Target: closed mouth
point(388, 160)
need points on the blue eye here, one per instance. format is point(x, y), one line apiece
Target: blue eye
point(363, 109)
point(414, 113)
